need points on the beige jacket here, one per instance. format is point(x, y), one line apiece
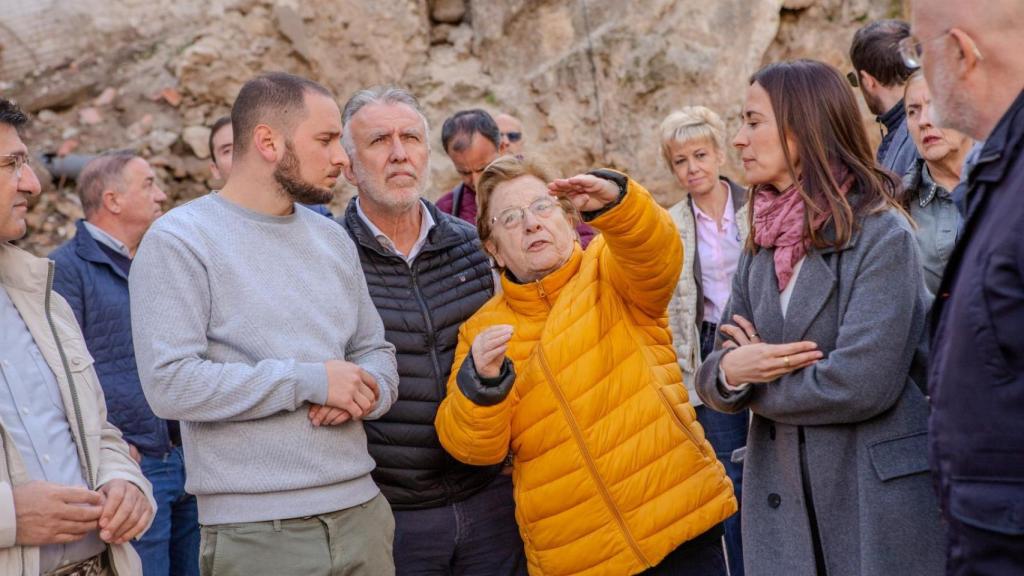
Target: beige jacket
point(686, 309)
point(103, 454)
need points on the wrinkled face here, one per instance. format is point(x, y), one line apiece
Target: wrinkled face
point(313, 158)
point(16, 186)
point(391, 161)
point(759, 145)
point(510, 128)
point(471, 160)
point(696, 164)
point(140, 198)
point(934, 144)
point(951, 105)
point(223, 147)
point(539, 242)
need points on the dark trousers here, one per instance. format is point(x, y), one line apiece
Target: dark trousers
point(975, 551)
point(702, 556)
point(171, 545)
point(726, 433)
point(478, 536)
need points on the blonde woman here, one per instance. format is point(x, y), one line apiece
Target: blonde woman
point(712, 222)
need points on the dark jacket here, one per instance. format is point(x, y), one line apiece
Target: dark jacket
point(97, 291)
point(847, 434)
point(976, 374)
point(422, 307)
point(897, 152)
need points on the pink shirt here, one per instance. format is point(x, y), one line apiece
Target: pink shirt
point(719, 252)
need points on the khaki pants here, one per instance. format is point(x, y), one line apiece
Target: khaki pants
point(352, 542)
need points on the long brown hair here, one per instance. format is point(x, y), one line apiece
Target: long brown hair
point(815, 107)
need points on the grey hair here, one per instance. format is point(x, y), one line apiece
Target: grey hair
point(105, 172)
point(377, 95)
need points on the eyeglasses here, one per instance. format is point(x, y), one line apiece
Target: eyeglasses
point(852, 78)
point(513, 136)
point(912, 49)
point(511, 218)
point(18, 161)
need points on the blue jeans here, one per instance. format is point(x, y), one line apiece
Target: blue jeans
point(478, 536)
point(726, 433)
point(171, 545)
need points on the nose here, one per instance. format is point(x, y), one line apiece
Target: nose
point(475, 179)
point(398, 153)
point(160, 195)
point(740, 140)
point(29, 182)
point(924, 119)
point(339, 157)
point(531, 223)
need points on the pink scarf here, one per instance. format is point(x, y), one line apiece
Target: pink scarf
point(779, 224)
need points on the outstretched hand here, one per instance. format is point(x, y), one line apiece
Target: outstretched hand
point(587, 192)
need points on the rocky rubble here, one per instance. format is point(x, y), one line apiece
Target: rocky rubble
point(590, 79)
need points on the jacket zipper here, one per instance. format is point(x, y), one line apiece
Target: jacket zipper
point(432, 334)
point(587, 457)
point(71, 382)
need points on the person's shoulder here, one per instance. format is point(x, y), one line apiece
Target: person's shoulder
point(884, 227)
point(195, 212)
point(66, 252)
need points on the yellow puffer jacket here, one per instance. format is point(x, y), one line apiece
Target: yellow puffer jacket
point(611, 469)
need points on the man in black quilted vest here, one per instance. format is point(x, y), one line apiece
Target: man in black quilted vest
point(426, 274)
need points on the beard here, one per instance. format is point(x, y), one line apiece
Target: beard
point(288, 177)
point(950, 107)
point(379, 194)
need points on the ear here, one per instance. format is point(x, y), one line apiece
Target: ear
point(264, 140)
point(215, 171)
point(868, 81)
point(721, 157)
point(970, 57)
point(350, 174)
point(492, 249)
point(111, 201)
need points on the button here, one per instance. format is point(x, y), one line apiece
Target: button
point(24, 411)
point(774, 500)
point(771, 431)
point(46, 458)
point(6, 364)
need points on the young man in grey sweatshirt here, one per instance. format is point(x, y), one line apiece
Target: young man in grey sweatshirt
point(269, 362)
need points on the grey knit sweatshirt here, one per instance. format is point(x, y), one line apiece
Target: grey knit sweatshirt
point(233, 315)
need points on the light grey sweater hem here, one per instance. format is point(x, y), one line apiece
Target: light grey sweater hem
point(235, 508)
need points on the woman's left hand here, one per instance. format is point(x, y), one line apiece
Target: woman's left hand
point(741, 334)
point(587, 192)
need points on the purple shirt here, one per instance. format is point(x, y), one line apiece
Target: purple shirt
point(719, 251)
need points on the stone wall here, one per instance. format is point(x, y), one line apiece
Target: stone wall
point(591, 79)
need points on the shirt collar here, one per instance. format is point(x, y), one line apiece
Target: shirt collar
point(427, 222)
point(101, 236)
point(929, 188)
point(727, 216)
point(893, 117)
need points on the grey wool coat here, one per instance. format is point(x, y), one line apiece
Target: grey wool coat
point(849, 433)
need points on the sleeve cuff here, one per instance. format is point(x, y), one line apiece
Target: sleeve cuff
point(485, 391)
point(8, 516)
point(384, 402)
point(311, 383)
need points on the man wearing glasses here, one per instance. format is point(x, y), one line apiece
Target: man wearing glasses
point(71, 496)
point(972, 55)
point(881, 75)
point(511, 133)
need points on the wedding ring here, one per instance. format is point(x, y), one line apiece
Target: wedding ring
point(786, 360)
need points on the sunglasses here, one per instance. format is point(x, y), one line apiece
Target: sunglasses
point(513, 136)
point(853, 78)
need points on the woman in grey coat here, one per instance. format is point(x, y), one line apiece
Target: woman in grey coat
point(827, 311)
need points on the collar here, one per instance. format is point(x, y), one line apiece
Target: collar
point(537, 298)
point(103, 237)
point(427, 223)
point(995, 157)
point(730, 213)
point(21, 270)
point(893, 117)
point(928, 189)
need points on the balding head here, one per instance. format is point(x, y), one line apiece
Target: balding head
point(973, 59)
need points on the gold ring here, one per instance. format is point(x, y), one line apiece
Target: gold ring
point(786, 360)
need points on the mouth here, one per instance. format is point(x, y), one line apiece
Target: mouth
point(408, 175)
point(537, 245)
point(695, 181)
point(930, 140)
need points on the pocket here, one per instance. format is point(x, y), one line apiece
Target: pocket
point(898, 457)
point(990, 504)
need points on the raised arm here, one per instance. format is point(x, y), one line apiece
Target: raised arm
point(170, 307)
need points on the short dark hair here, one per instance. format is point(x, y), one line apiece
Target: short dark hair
point(220, 123)
point(102, 173)
point(276, 97)
point(464, 124)
point(11, 114)
point(875, 50)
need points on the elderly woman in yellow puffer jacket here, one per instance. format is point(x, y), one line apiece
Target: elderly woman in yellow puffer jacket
point(571, 367)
